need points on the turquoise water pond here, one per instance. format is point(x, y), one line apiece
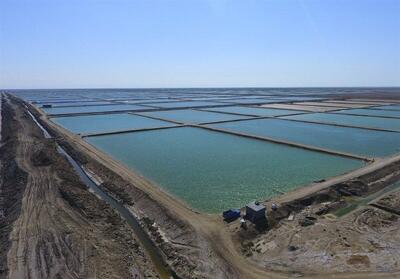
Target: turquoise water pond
point(78, 103)
point(254, 111)
point(193, 116)
point(351, 140)
point(107, 122)
point(252, 101)
point(84, 109)
point(183, 104)
point(391, 107)
point(213, 171)
point(372, 112)
point(352, 120)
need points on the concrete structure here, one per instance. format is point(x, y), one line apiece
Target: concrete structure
point(255, 211)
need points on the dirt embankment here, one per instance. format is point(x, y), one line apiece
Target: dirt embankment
point(314, 241)
point(360, 187)
point(51, 226)
point(12, 185)
point(389, 202)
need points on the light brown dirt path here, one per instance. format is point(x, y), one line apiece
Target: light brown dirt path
point(64, 231)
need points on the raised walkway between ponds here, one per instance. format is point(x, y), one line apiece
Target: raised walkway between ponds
point(129, 131)
point(157, 118)
point(338, 125)
point(366, 115)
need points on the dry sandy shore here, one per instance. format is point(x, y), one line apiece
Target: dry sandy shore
point(199, 245)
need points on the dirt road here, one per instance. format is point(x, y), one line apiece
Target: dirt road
point(51, 226)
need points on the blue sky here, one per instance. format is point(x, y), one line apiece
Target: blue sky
point(199, 43)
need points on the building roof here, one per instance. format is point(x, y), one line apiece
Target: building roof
point(256, 206)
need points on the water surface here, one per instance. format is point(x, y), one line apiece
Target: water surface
point(193, 116)
point(107, 122)
point(254, 111)
point(389, 107)
point(184, 104)
point(351, 120)
point(213, 171)
point(87, 109)
point(372, 112)
point(76, 103)
point(351, 140)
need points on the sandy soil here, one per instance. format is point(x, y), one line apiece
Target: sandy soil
point(390, 202)
point(365, 240)
point(197, 245)
point(303, 192)
point(50, 225)
point(340, 102)
point(391, 99)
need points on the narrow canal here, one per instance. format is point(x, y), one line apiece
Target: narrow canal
point(161, 266)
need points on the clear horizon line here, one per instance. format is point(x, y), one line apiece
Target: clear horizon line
point(204, 87)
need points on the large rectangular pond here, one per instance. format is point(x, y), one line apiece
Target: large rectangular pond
point(184, 104)
point(107, 123)
point(372, 112)
point(254, 111)
point(252, 101)
point(351, 120)
point(213, 171)
point(390, 107)
point(351, 140)
point(193, 116)
point(88, 109)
